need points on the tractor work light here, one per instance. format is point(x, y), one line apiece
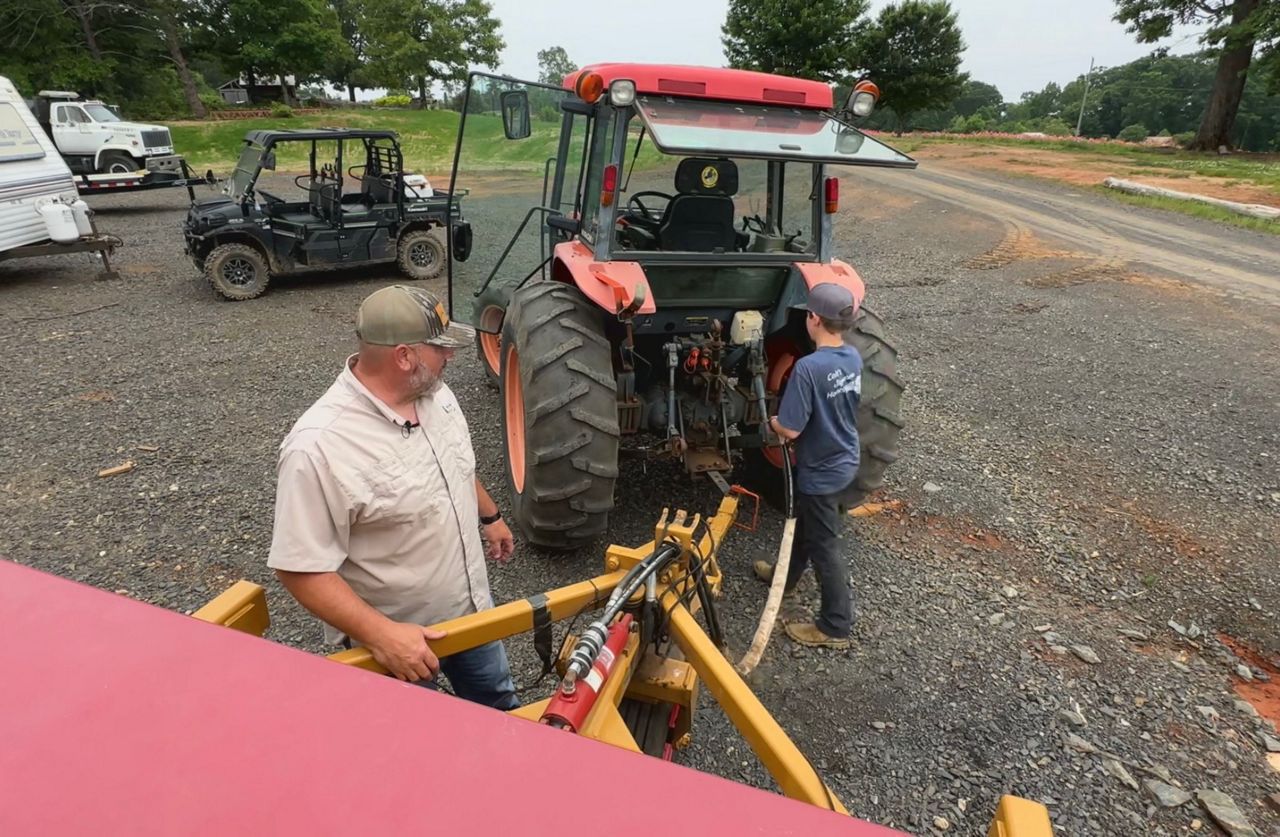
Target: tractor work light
point(622, 92)
point(590, 87)
point(863, 98)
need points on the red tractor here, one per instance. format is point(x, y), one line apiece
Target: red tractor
point(650, 287)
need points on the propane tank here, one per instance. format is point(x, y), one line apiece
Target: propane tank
point(80, 210)
point(59, 222)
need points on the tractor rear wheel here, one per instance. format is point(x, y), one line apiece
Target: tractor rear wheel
point(880, 407)
point(560, 415)
point(879, 412)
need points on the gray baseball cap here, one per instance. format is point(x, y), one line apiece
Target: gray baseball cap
point(401, 314)
point(831, 301)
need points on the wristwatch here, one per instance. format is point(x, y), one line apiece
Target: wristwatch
point(486, 521)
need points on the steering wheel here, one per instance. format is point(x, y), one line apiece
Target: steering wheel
point(270, 197)
point(642, 213)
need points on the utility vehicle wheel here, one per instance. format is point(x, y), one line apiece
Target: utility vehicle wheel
point(117, 162)
point(487, 314)
point(421, 255)
point(879, 411)
point(560, 415)
point(237, 271)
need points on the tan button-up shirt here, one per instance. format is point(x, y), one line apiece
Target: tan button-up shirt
point(391, 509)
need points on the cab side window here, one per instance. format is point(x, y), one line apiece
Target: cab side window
point(72, 115)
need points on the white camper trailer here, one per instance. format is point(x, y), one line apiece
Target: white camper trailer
point(40, 211)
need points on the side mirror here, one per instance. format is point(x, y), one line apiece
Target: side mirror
point(515, 114)
point(269, 161)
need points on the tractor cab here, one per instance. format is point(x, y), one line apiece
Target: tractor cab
point(303, 200)
point(675, 218)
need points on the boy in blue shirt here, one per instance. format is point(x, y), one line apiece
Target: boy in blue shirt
point(819, 415)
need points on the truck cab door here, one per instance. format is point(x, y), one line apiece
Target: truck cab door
point(73, 131)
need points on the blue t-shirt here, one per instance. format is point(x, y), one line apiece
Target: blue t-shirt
point(821, 404)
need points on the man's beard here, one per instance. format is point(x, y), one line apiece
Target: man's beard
point(423, 382)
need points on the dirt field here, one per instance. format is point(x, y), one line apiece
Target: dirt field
point(1088, 170)
point(1084, 555)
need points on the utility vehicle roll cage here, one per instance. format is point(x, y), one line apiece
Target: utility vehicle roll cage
point(381, 175)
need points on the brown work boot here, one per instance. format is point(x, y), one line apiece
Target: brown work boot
point(807, 633)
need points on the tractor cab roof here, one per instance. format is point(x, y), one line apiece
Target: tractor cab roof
point(714, 83)
point(267, 138)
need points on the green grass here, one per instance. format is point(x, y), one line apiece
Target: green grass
point(427, 139)
point(1198, 210)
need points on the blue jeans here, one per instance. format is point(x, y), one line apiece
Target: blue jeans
point(817, 543)
point(481, 675)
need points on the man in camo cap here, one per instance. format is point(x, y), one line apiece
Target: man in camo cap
point(381, 525)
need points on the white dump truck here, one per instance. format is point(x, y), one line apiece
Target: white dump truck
point(93, 139)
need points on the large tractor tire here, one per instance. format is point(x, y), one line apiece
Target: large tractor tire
point(560, 415)
point(879, 413)
point(487, 315)
point(880, 408)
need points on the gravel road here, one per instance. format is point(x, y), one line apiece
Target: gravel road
point(1092, 455)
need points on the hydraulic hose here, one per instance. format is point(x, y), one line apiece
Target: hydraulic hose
point(596, 634)
point(774, 601)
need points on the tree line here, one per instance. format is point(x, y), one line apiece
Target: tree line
point(164, 57)
point(1223, 95)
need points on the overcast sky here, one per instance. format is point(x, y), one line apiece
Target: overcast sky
point(1017, 45)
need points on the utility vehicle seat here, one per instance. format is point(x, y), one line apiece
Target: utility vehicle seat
point(700, 217)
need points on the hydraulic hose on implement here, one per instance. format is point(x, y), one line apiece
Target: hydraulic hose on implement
point(774, 601)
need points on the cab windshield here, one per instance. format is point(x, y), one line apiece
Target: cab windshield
point(101, 113)
point(242, 176)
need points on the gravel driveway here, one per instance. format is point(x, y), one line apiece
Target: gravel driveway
point(1092, 457)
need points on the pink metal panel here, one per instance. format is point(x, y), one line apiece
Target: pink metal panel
point(119, 718)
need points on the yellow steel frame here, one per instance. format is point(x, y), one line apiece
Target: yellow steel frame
point(640, 673)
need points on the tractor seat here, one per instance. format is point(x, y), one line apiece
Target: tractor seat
point(699, 219)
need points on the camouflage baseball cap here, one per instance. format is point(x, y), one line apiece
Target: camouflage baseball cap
point(401, 314)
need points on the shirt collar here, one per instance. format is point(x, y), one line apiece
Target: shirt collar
point(348, 377)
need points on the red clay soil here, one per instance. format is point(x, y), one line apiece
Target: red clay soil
point(1084, 171)
point(1265, 696)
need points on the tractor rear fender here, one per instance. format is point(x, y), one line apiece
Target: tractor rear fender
point(611, 285)
point(803, 277)
point(842, 273)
